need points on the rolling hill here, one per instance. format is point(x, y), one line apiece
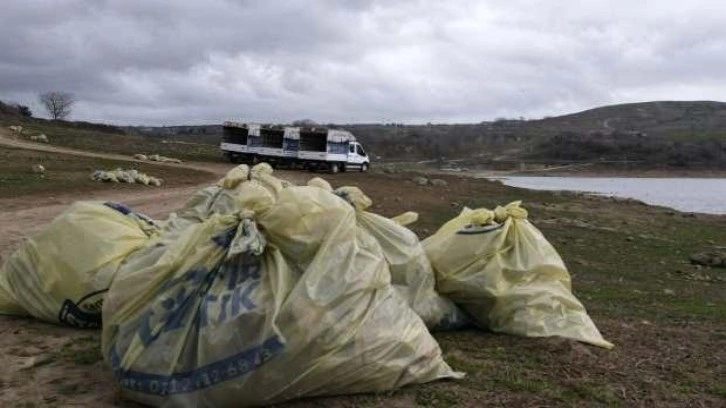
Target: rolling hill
point(679, 134)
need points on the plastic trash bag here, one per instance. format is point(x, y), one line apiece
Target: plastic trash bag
point(105, 176)
point(224, 316)
point(224, 196)
point(141, 178)
point(125, 176)
point(502, 270)
point(409, 217)
point(62, 274)
point(411, 271)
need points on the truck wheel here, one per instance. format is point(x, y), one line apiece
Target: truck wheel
point(343, 168)
point(334, 168)
point(364, 167)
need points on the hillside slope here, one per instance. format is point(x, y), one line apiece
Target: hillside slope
point(96, 137)
point(664, 117)
point(649, 134)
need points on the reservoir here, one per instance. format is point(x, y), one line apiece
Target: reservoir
point(703, 195)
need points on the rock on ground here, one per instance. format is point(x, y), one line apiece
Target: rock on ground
point(421, 181)
point(710, 258)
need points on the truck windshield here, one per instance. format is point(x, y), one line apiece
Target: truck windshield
point(360, 150)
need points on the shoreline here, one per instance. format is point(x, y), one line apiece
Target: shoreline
point(570, 170)
point(502, 176)
point(589, 173)
point(706, 205)
point(610, 173)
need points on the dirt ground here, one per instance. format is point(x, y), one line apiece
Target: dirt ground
point(629, 264)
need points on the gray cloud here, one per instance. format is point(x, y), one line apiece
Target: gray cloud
point(157, 62)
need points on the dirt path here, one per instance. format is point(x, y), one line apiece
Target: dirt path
point(24, 216)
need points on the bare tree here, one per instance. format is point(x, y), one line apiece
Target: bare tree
point(58, 104)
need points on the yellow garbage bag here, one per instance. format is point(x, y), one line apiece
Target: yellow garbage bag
point(502, 270)
point(409, 217)
point(227, 316)
point(320, 183)
point(142, 178)
point(61, 275)
point(224, 197)
point(234, 177)
point(411, 271)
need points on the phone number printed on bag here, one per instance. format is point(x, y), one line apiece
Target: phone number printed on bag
point(237, 365)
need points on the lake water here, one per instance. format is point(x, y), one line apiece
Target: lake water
point(703, 195)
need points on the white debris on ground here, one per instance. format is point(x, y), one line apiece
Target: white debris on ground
point(421, 181)
point(156, 158)
point(38, 168)
point(126, 176)
point(16, 130)
point(438, 183)
point(39, 138)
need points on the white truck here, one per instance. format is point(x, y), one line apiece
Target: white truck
point(314, 148)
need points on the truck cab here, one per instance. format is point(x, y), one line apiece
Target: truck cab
point(357, 157)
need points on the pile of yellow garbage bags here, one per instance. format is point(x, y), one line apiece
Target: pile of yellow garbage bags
point(260, 291)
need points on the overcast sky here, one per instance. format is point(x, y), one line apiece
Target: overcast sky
point(194, 61)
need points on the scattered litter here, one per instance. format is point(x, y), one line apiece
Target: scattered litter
point(421, 181)
point(125, 176)
point(15, 131)
point(38, 168)
point(439, 183)
point(39, 138)
point(156, 158)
